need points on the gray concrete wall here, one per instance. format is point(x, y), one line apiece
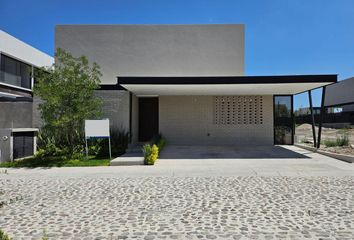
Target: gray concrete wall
point(115, 107)
point(157, 50)
point(340, 93)
point(188, 120)
point(36, 114)
point(15, 114)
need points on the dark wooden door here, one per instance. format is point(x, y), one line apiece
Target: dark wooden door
point(148, 118)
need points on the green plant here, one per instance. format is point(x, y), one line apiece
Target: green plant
point(154, 153)
point(147, 154)
point(161, 144)
point(329, 143)
point(67, 91)
point(4, 236)
point(341, 141)
point(151, 153)
point(119, 143)
point(60, 161)
point(160, 141)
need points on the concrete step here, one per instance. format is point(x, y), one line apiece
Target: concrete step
point(127, 161)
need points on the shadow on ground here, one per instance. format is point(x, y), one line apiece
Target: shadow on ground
point(228, 152)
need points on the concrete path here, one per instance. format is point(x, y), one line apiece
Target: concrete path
point(311, 164)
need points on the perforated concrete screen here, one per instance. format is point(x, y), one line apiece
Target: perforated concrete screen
point(238, 110)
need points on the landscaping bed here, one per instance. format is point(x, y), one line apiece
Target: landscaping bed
point(56, 162)
point(340, 141)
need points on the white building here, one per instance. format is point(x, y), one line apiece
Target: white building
point(187, 82)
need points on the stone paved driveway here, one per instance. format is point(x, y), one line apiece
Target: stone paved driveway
point(233, 207)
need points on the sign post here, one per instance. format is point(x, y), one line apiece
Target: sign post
point(97, 129)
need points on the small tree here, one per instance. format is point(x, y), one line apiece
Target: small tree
point(67, 92)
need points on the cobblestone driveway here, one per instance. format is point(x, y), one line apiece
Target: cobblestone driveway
point(180, 208)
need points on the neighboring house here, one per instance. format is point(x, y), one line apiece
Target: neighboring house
point(316, 110)
point(18, 62)
point(187, 82)
point(341, 94)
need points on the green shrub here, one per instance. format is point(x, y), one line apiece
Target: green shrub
point(4, 236)
point(160, 141)
point(154, 153)
point(341, 141)
point(119, 143)
point(330, 143)
point(147, 154)
point(151, 153)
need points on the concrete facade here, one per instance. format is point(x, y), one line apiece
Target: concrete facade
point(157, 50)
point(340, 93)
point(16, 114)
point(153, 50)
point(189, 120)
point(186, 110)
point(115, 107)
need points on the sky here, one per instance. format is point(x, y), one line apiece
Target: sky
point(282, 36)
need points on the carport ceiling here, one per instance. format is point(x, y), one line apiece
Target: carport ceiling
point(238, 85)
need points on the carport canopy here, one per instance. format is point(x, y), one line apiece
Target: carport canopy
point(225, 85)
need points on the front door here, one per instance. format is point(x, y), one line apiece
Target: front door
point(148, 118)
point(283, 120)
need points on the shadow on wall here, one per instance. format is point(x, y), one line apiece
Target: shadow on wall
point(229, 152)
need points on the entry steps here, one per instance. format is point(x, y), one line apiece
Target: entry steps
point(133, 156)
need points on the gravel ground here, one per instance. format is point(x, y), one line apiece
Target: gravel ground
point(179, 208)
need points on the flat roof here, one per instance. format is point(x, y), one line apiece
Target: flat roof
point(22, 51)
point(225, 85)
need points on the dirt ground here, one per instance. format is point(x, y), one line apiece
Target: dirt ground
point(303, 134)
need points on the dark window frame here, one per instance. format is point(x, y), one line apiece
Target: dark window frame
point(19, 70)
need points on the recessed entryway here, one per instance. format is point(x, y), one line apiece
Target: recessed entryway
point(148, 118)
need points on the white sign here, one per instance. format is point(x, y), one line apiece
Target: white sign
point(97, 128)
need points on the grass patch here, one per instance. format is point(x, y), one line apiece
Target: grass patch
point(57, 162)
point(341, 141)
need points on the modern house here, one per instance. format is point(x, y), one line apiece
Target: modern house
point(187, 82)
point(338, 105)
point(341, 95)
point(18, 62)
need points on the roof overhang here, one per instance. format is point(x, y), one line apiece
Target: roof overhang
point(225, 85)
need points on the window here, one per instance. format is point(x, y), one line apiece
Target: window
point(283, 120)
point(15, 73)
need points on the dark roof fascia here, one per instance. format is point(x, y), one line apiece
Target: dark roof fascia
point(332, 78)
point(111, 87)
